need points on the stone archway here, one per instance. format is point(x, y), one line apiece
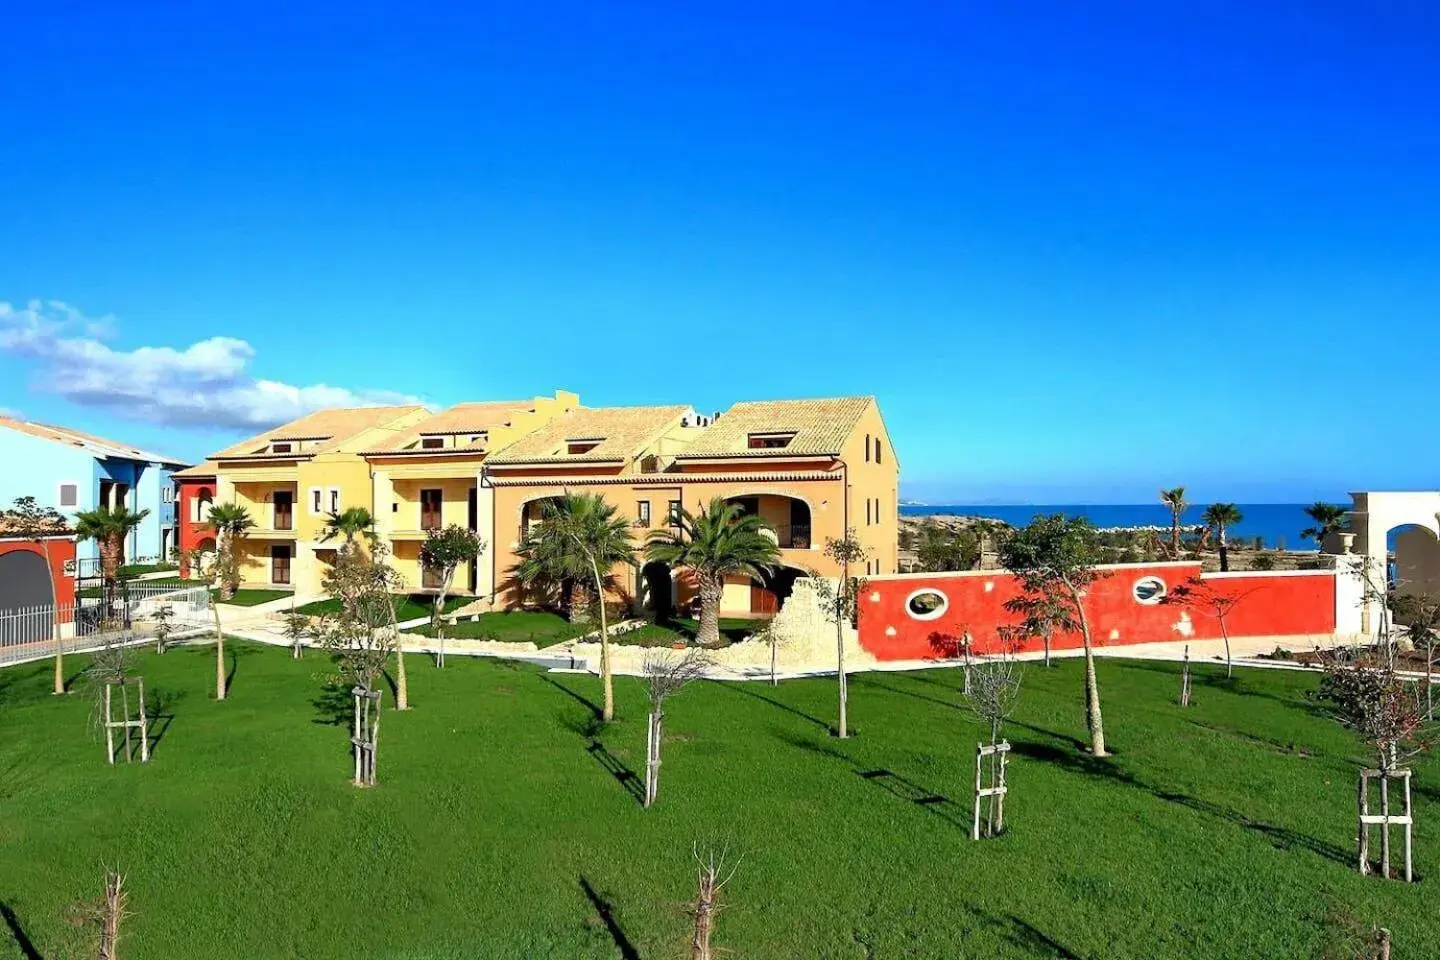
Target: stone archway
point(1413, 517)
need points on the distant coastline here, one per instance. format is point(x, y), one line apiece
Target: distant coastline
point(1277, 524)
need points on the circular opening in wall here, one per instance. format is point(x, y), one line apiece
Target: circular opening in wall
point(926, 604)
point(1149, 590)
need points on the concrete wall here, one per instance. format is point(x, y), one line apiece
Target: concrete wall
point(1299, 604)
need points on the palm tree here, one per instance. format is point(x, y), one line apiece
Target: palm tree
point(1174, 499)
point(349, 523)
point(231, 522)
point(109, 528)
point(723, 541)
point(1329, 518)
point(580, 535)
point(1219, 517)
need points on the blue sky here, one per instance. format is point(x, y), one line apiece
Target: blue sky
point(1077, 250)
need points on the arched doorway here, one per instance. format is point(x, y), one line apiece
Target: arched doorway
point(657, 590)
point(24, 580)
point(1414, 561)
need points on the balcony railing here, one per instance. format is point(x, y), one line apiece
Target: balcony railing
point(793, 536)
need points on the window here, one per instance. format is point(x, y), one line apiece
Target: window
point(432, 443)
point(431, 503)
point(334, 499)
point(672, 513)
point(642, 513)
point(926, 604)
point(867, 512)
point(770, 441)
point(867, 448)
point(281, 447)
point(877, 449)
point(577, 448)
point(317, 501)
point(167, 494)
point(1149, 590)
point(69, 494)
point(200, 506)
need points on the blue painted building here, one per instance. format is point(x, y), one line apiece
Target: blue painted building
point(73, 471)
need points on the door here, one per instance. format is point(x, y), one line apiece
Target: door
point(280, 564)
point(763, 600)
point(284, 510)
point(430, 503)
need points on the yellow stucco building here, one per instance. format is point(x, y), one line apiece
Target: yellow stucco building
point(812, 468)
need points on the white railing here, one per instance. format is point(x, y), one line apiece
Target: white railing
point(27, 633)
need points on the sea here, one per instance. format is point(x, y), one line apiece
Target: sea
point(1278, 525)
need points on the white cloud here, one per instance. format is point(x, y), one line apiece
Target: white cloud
point(207, 384)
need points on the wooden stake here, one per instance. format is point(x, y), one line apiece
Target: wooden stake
point(109, 729)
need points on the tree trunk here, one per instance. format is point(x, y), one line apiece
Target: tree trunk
point(219, 653)
point(54, 620)
point(606, 680)
point(1430, 678)
point(774, 680)
point(1224, 552)
point(1093, 718)
point(1175, 534)
point(1229, 664)
point(440, 616)
point(710, 592)
point(1047, 648)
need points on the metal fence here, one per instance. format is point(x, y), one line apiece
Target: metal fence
point(28, 633)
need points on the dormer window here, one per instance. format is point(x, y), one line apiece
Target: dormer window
point(282, 447)
point(432, 443)
point(477, 437)
point(770, 441)
point(579, 447)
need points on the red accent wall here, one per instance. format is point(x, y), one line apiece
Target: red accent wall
point(1265, 604)
point(62, 551)
point(190, 534)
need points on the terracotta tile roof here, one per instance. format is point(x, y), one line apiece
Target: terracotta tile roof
point(95, 445)
point(334, 426)
point(463, 418)
point(203, 469)
point(618, 433)
point(821, 428)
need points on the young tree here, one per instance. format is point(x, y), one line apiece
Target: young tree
point(30, 521)
point(1054, 559)
point(1328, 518)
point(992, 692)
point(232, 524)
point(109, 528)
point(297, 628)
point(711, 877)
point(722, 541)
point(1211, 600)
point(361, 634)
point(444, 550)
point(665, 673)
point(579, 534)
point(840, 602)
point(1220, 517)
point(162, 616)
point(1420, 615)
point(1174, 498)
point(1041, 615)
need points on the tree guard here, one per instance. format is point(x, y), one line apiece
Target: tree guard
point(126, 722)
point(991, 797)
point(366, 734)
point(1384, 819)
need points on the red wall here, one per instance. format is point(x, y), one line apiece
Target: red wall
point(62, 551)
point(1266, 604)
point(187, 492)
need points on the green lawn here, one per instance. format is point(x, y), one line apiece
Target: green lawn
point(407, 607)
point(540, 627)
point(136, 569)
point(247, 597)
point(501, 829)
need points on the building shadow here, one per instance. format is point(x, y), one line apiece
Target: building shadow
point(22, 939)
point(743, 688)
point(606, 913)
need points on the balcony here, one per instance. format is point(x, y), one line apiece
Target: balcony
point(791, 536)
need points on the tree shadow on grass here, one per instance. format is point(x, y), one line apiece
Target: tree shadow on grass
point(1036, 941)
point(870, 680)
point(1282, 838)
point(573, 694)
point(743, 687)
point(606, 913)
point(334, 706)
point(936, 803)
point(617, 769)
point(161, 714)
point(22, 939)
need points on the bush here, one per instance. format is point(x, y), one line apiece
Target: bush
point(1262, 561)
